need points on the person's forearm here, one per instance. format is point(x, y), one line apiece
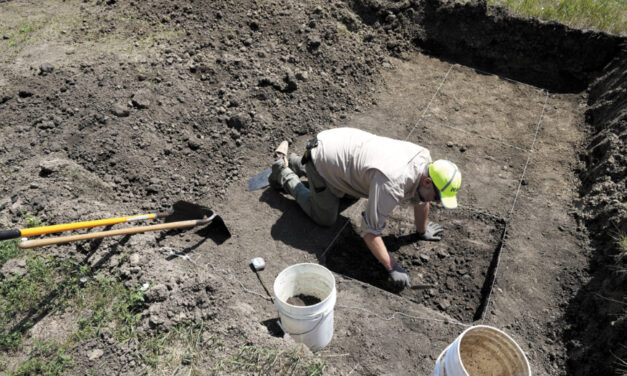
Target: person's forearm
point(378, 249)
point(421, 214)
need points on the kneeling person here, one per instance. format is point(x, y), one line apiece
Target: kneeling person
point(348, 161)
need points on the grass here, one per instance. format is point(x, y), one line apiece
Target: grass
point(252, 359)
point(48, 358)
point(104, 306)
point(9, 250)
point(604, 15)
point(87, 31)
point(50, 286)
point(621, 270)
point(190, 349)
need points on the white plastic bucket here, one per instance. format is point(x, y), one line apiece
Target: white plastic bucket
point(482, 350)
point(313, 324)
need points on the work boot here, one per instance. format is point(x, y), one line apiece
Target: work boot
point(274, 178)
point(281, 152)
point(279, 165)
point(283, 177)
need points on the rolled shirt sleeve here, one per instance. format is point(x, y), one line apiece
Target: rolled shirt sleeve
point(381, 202)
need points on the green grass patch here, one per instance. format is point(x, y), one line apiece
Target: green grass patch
point(45, 287)
point(105, 306)
point(273, 362)
point(9, 249)
point(22, 32)
point(32, 221)
point(189, 349)
point(48, 358)
point(114, 309)
point(604, 15)
point(51, 286)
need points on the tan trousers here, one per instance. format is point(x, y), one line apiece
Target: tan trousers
point(317, 201)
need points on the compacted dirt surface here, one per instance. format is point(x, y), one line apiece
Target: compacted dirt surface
point(114, 108)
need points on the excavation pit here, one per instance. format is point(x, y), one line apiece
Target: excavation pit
point(448, 276)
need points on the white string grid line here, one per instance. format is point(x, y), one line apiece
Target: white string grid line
point(509, 215)
point(402, 315)
point(406, 138)
point(474, 134)
point(530, 151)
point(230, 276)
point(429, 104)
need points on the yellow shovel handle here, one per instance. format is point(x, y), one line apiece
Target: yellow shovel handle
point(87, 224)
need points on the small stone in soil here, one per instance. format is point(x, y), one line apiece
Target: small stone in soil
point(302, 300)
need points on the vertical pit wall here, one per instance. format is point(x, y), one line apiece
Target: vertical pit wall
point(598, 314)
point(544, 54)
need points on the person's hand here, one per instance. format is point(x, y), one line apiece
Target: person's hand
point(433, 229)
point(399, 277)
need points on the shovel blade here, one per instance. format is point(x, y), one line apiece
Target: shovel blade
point(216, 230)
point(260, 180)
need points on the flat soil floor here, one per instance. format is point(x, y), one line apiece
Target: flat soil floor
point(515, 145)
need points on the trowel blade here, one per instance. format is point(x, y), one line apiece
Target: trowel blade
point(260, 180)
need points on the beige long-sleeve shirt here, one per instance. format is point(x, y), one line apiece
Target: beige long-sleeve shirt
point(360, 164)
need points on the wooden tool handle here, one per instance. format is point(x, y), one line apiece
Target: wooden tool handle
point(104, 234)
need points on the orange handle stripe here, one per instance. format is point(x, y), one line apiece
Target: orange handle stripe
point(87, 224)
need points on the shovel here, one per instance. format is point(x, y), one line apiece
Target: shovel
point(260, 180)
point(181, 214)
point(181, 210)
point(104, 234)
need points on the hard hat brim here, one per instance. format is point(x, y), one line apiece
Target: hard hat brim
point(449, 202)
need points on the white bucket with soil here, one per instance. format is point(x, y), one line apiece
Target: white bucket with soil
point(305, 295)
point(482, 350)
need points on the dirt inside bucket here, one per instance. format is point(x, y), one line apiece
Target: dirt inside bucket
point(302, 300)
point(479, 358)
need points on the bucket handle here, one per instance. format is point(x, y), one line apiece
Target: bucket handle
point(322, 317)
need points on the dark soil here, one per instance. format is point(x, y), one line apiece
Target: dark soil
point(447, 276)
point(112, 108)
point(599, 312)
point(302, 300)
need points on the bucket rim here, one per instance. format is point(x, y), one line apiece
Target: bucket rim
point(461, 337)
point(317, 305)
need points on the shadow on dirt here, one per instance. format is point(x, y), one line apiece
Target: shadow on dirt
point(351, 257)
point(295, 229)
point(273, 327)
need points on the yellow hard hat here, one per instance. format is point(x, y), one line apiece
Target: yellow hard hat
point(447, 179)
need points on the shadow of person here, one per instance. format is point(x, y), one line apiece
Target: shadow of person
point(295, 229)
point(351, 257)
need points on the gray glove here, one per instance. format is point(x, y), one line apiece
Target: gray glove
point(399, 276)
point(433, 229)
